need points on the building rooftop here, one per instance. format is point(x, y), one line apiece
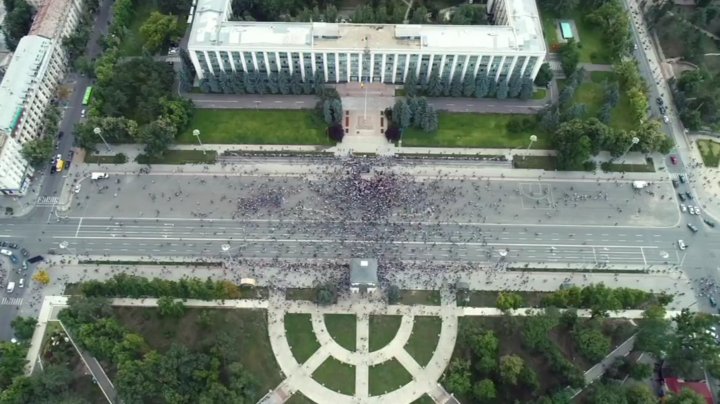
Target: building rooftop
point(26, 67)
point(49, 18)
point(363, 272)
point(211, 28)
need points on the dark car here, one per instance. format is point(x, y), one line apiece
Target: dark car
point(3, 243)
point(60, 135)
point(13, 259)
point(713, 303)
point(24, 252)
point(35, 259)
point(681, 196)
point(689, 196)
point(681, 177)
point(709, 222)
point(53, 169)
point(12, 245)
point(675, 183)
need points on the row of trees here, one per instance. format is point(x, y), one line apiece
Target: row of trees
point(255, 82)
point(38, 151)
point(601, 298)
point(484, 85)
point(17, 22)
point(414, 112)
point(179, 375)
point(123, 285)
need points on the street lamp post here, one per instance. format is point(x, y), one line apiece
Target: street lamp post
point(98, 132)
point(226, 249)
point(635, 140)
point(533, 139)
point(196, 133)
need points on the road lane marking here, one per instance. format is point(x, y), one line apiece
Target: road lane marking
point(78, 227)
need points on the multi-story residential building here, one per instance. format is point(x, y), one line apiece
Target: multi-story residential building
point(37, 66)
point(383, 53)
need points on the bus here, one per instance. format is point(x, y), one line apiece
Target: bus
point(87, 96)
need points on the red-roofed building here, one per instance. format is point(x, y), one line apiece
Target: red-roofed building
point(676, 385)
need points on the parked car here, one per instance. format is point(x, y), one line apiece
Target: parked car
point(709, 222)
point(12, 245)
point(681, 196)
point(689, 195)
point(681, 245)
point(682, 178)
point(683, 208)
point(692, 227)
point(675, 183)
point(24, 252)
point(691, 210)
point(673, 160)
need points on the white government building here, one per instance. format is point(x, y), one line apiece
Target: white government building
point(382, 53)
point(36, 67)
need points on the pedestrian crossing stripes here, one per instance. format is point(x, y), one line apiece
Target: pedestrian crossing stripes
point(11, 301)
point(47, 201)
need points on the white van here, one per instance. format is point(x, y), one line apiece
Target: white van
point(5, 252)
point(97, 176)
point(11, 287)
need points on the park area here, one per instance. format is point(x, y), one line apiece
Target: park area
point(132, 43)
point(248, 126)
point(589, 38)
point(591, 93)
point(458, 129)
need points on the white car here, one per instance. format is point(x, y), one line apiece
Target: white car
point(77, 189)
point(697, 210)
point(691, 210)
point(82, 113)
point(683, 208)
point(666, 119)
point(22, 282)
point(681, 245)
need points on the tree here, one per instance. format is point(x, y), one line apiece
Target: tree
point(686, 396)
point(456, 85)
point(640, 371)
point(526, 91)
point(569, 57)
point(12, 362)
point(411, 84)
point(393, 294)
point(484, 391)
point(24, 327)
point(515, 84)
point(38, 151)
point(638, 103)
point(560, 8)
point(502, 89)
point(445, 85)
point(481, 85)
point(607, 393)
point(544, 76)
point(178, 111)
point(401, 114)
point(591, 342)
point(326, 294)
point(170, 307)
point(510, 368)
point(158, 30)
point(430, 120)
point(175, 7)
point(336, 132)
point(508, 300)
point(572, 145)
point(419, 15)
point(640, 394)
point(17, 22)
point(393, 133)
point(612, 19)
point(457, 378)
point(41, 277)
point(157, 136)
point(434, 87)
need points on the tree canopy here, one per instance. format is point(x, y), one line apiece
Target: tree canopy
point(158, 30)
point(17, 22)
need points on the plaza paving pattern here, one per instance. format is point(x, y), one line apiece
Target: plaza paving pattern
point(299, 375)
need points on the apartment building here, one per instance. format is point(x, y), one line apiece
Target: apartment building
point(383, 53)
point(36, 67)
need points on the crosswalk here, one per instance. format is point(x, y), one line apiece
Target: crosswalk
point(11, 301)
point(47, 201)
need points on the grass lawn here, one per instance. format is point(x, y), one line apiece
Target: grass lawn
point(342, 328)
point(114, 159)
point(299, 398)
point(590, 93)
point(591, 42)
point(424, 338)
point(548, 163)
point(383, 330)
point(648, 167)
point(386, 377)
point(246, 328)
point(336, 376)
point(301, 336)
point(429, 297)
point(424, 399)
point(180, 157)
point(539, 94)
point(459, 129)
point(710, 152)
point(248, 126)
point(301, 294)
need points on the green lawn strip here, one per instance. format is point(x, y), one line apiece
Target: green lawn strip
point(300, 336)
point(114, 159)
point(710, 152)
point(299, 398)
point(382, 330)
point(336, 376)
point(548, 163)
point(249, 126)
point(180, 157)
point(301, 294)
point(429, 297)
point(648, 167)
point(460, 129)
point(424, 338)
point(342, 328)
point(488, 298)
point(539, 94)
point(387, 376)
point(200, 328)
point(424, 399)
